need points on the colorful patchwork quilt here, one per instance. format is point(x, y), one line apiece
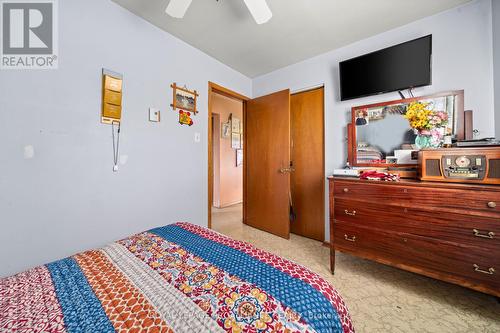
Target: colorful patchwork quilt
point(177, 278)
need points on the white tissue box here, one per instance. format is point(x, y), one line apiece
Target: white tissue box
point(404, 156)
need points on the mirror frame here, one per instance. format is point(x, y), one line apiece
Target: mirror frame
point(351, 128)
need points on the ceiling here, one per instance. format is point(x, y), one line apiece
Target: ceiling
point(299, 29)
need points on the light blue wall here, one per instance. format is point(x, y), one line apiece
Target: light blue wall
point(496, 62)
point(66, 198)
point(462, 49)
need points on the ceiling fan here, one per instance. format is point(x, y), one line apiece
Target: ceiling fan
point(258, 8)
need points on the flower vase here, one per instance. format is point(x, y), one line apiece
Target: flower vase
point(429, 138)
point(423, 141)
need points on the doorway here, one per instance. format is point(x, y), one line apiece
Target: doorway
point(226, 157)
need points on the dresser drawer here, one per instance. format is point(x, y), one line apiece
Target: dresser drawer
point(465, 265)
point(363, 190)
point(483, 232)
point(484, 201)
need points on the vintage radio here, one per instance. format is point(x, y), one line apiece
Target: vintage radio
point(460, 165)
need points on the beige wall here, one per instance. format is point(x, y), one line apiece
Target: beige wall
point(228, 178)
point(216, 156)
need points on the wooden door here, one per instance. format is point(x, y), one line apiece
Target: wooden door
point(308, 179)
point(267, 155)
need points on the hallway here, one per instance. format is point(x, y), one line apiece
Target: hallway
point(228, 220)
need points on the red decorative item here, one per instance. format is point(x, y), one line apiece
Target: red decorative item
point(375, 175)
point(185, 118)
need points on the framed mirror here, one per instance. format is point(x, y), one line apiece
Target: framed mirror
point(381, 136)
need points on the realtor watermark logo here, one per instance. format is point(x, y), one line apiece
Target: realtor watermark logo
point(29, 36)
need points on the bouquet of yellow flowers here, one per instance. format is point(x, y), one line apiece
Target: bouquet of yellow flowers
point(429, 125)
point(422, 118)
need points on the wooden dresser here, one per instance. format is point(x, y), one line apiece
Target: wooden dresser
point(447, 231)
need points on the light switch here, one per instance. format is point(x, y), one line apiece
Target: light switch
point(154, 115)
point(197, 137)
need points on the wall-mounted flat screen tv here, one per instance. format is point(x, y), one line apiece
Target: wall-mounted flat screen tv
point(399, 67)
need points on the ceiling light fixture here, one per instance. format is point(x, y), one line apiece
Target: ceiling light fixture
point(258, 8)
point(177, 8)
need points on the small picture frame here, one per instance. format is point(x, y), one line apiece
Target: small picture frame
point(239, 157)
point(362, 118)
point(235, 125)
point(184, 99)
point(235, 140)
point(226, 130)
point(376, 114)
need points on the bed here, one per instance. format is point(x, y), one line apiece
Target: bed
point(176, 278)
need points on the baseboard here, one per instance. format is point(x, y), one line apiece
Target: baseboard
point(231, 204)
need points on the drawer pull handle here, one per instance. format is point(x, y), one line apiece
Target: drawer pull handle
point(490, 270)
point(346, 190)
point(490, 234)
point(492, 204)
point(353, 213)
point(352, 239)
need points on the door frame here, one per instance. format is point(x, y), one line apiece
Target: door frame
point(214, 88)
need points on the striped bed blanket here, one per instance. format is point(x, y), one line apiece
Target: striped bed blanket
point(177, 278)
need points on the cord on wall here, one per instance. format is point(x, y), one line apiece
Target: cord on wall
point(116, 146)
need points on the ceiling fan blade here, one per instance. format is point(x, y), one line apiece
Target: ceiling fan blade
point(177, 8)
point(259, 10)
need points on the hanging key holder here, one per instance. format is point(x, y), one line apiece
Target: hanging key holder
point(111, 113)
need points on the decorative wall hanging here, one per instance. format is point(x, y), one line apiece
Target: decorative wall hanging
point(185, 118)
point(235, 140)
point(226, 130)
point(184, 99)
point(154, 115)
point(239, 157)
point(111, 111)
point(112, 83)
point(235, 125)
